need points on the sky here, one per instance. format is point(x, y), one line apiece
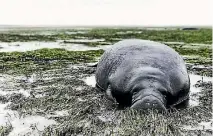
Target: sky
point(106, 12)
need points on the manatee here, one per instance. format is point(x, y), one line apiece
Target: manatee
point(143, 74)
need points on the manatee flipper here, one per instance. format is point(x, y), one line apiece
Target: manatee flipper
point(183, 97)
point(183, 102)
point(98, 87)
point(109, 93)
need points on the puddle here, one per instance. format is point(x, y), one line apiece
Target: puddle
point(58, 114)
point(79, 88)
point(30, 46)
point(22, 84)
point(6, 114)
point(195, 78)
point(78, 32)
point(197, 47)
point(36, 33)
point(202, 67)
point(104, 119)
point(31, 125)
point(81, 100)
point(194, 91)
point(42, 32)
point(200, 44)
point(27, 46)
point(86, 40)
point(9, 85)
point(191, 57)
point(201, 126)
point(35, 45)
point(81, 47)
point(28, 125)
point(26, 79)
point(62, 113)
point(26, 93)
point(130, 32)
point(90, 80)
point(188, 45)
point(6, 80)
point(178, 43)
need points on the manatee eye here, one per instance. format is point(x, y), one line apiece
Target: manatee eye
point(135, 91)
point(163, 92)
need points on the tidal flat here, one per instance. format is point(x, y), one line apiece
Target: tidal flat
point(47, 83)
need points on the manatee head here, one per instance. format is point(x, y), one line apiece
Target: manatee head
point(149, 98)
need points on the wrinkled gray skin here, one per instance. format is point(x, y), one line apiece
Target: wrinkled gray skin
point(143, 74)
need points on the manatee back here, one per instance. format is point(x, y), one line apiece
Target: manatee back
point(128, 54)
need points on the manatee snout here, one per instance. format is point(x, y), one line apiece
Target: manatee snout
point(151, 102)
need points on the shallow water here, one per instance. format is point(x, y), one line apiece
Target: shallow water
point(30, 46)
point(201, 126)
point(178, 43)
point(90, 80)
point(129, 32)
point(9, 85)
point(31, 125)
point(85, 40)
point(81, 47)
point(24, 125)
point(4, 114)
point(58, 114)
point(194, 91)
point(78, 32)
point(188, 45)
point(35, 45)
point(21, 91)
point(27, 46)
point(36, 33)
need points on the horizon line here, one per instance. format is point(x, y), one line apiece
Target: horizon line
point(91, 26)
